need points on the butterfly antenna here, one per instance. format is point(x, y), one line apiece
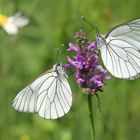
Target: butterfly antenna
point(71, 73)
point(62, 46)
point(94, 27)
point(57, 55)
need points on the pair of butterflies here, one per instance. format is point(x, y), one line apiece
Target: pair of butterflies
point(50, 95)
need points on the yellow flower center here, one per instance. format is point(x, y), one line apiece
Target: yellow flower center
point(3, 20)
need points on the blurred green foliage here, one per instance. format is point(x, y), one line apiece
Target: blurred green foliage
point(25, 56)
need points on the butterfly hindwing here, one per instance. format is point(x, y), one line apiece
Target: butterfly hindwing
point(58, 99)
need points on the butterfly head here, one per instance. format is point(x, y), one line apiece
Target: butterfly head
point(59, 69)
point(100, 40)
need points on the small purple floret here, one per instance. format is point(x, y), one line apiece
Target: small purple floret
point(72, 48)
point(92, 46)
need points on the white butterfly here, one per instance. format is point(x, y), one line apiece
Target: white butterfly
point(120, 50)
point(49, 95)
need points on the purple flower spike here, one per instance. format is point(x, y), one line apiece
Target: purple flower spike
point(89, 73)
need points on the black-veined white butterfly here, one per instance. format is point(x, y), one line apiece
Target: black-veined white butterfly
point(120, 50)
point(49, 95)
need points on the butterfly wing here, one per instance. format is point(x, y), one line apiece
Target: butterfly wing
point(49, 95)
point(121, 51)
point(26, 99)
point(54, 98)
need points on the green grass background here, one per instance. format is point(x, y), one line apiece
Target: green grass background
point(33, 51)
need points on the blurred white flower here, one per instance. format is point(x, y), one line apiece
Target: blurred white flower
point(12, 23)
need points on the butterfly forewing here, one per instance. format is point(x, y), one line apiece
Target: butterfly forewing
point(49, 95)
point(121, 50)
point(25, 101)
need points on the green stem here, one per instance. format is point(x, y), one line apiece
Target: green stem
point(91, 116)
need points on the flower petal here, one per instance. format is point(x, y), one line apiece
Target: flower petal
point(72, 47)
point(10, 28)
point(92, 45)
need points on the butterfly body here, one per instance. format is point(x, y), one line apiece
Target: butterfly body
point(100, 40)
point(59, 69)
